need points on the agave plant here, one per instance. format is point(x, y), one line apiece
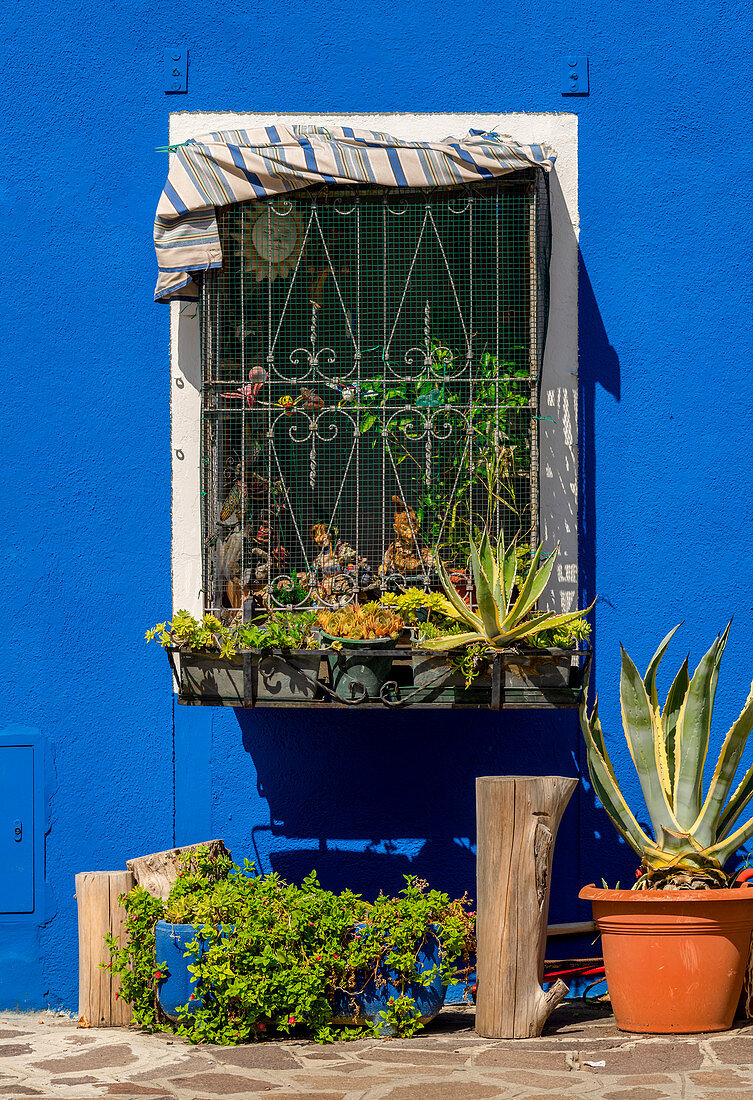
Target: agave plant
point(504, 602)
point(694, 835)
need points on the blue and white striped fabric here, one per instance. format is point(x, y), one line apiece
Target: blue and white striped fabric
point(234, 165)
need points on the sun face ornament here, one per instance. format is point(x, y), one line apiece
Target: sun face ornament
point(288, 404)
point(273, 241)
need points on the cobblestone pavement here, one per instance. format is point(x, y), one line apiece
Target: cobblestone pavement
point(581, 1055)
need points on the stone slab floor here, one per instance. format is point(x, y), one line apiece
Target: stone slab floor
point(46, 1055)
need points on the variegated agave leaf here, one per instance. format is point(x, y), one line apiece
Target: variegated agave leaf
point(694, 836)
point(499, 621)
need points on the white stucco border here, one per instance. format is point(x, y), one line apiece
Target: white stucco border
point(558, 492)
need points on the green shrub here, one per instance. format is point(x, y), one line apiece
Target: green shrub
point(275, 957)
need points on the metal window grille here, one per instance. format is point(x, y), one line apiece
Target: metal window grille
point(371, 360)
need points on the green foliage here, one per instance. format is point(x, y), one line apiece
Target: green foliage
point(470, 661)
point(440, 627)
point(242, 636)
point(508, 392)
point(499, 420)
point(391, 394)
point(290, 592)
point(272, 958)
point(416, 606)
point(401, 1017)
point(136, 963)
point(282, 630)
point(694, 836)
point(189, 633)
point(286, 630)
point(567, 636)
point(505, 614)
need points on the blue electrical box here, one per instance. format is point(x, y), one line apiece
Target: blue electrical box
point(20, 809)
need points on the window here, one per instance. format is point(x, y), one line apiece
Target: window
point(370, 364)
point(557, 467)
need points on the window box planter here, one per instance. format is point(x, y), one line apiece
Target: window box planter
point(207, 679)
point(527, 678)
point(537, 678)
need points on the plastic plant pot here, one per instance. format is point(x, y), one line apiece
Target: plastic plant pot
point(675, 959)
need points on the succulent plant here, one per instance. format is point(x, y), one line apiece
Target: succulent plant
point(504, 602)
point(414, 605)
point(363, 622)
point(694, 836)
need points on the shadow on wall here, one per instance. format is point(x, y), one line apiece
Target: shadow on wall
point(365, 798)
point(598, 365)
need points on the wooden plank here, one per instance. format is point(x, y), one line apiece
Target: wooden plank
point(517, 822)
point(100, 912)
point(158, 871)
point(572, 928)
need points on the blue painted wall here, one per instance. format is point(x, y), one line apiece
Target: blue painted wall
point(665, 431)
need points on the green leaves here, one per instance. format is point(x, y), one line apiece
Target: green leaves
point(486, 580)
point(669, 750)
point(135, 963)
point(605, 785)
point(281, 630)
point(670, 714)
point(494, 578)
point(639, 725)
point(692, 734)
point(710, 819)
point(271, 958)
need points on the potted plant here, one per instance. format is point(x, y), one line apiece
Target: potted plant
point(211, 654)
point(233, 956)
point(458, 661)
point(355, 635)
point(675, 946)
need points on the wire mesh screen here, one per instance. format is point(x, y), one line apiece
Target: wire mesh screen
point(370, 377)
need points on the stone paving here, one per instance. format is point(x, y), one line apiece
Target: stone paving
point(581, 1055)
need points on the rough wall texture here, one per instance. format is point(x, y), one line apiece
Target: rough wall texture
point(666, 419)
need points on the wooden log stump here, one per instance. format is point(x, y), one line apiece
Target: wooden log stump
point(517, 820)
point(100, 912)
point(158, 871)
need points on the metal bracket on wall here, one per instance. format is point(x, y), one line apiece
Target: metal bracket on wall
point(575, 75)
point(176, 70)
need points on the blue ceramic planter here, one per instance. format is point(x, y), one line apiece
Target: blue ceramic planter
point(428, 998)
point(171, 941)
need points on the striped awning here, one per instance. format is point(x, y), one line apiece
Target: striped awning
point(234, 165)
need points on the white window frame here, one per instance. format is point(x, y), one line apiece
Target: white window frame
point(558, 440)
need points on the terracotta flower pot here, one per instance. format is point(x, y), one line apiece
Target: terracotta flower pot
point(675, 960)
